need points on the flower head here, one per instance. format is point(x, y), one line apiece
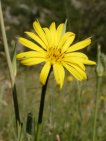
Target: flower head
point(53, 46)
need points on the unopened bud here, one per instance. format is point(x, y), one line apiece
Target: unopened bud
point(100, 67)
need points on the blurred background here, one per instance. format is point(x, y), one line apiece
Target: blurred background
point(69, 112)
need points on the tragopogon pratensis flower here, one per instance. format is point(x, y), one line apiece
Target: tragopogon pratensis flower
point(53, 46)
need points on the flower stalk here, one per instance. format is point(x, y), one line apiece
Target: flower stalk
point(41, 108)
point(9, 63)
point(99, 71)
point(98, 90)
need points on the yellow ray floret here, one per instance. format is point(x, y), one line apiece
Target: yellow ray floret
point(59, 74)
point(40, 32)
point(29, 44)
point(54, 47)
point(36, 39)
point(44, 73)
point(79, 45)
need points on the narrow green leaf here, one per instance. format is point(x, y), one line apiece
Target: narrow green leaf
point(65, 25)
point(14, 65)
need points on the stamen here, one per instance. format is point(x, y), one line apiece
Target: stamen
point(54, 55)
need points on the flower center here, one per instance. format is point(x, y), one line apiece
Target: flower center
point(54, 55)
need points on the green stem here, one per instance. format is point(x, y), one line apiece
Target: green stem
point(99, 80)
point(41, 109)
point(12, 78)
point(6, 45)
point(16, 107)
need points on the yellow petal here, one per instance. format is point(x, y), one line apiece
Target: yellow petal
point(76, 54)
point(78, 60)
point(53, 34)
point(48, 36)
point(40, 31)
point(56, 75)
point(32, 61)
point(89, 62)
point(75, 61)
point(45, 72)
point(59, 32)
point(30, 54)
point(29, 44)
point(37, 39)
point(68, 43)
point(80, 65)
point(80, 71)
point(79, 45)
point(64, 38)
point(52, 27)
point(59, 74)
point(75, 72)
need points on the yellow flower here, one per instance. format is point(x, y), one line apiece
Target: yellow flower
point(52, 46)
point(69, 78)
